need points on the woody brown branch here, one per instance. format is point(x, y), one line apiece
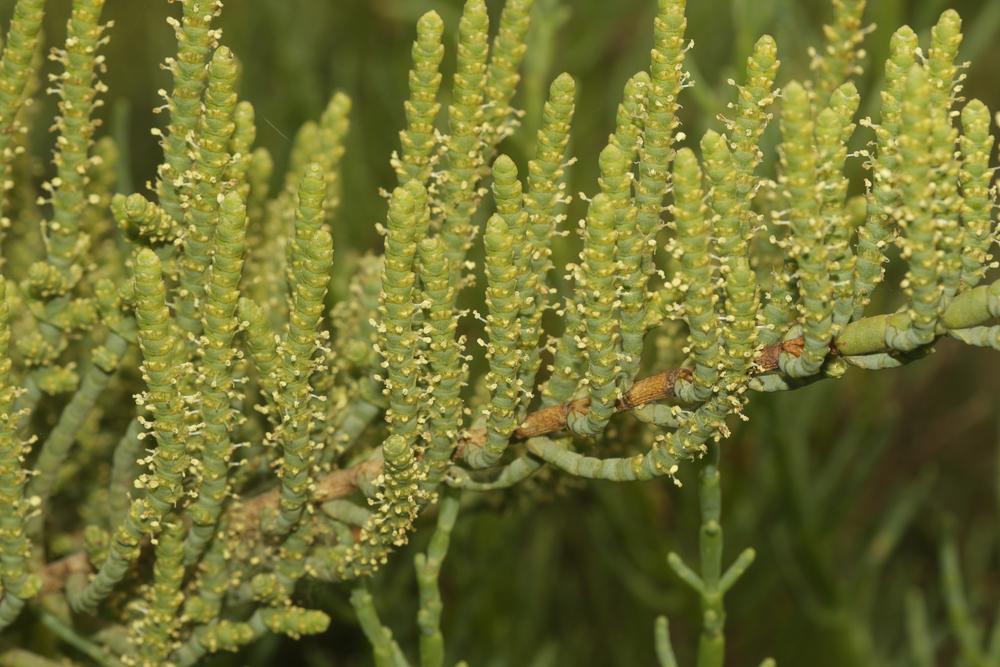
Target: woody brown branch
point(657, 387)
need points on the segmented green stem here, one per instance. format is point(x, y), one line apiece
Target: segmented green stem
point(630, 244)
point(712, 582)
point(225, 635)
point(407, 225)
point(428, 567)
point(311, 262)
point(152, 632)
point(163, 487)
point(15, 548)
point(464, 143)
point(664, 649)
point(444, 354)
point(56, 447)
point(16, 71)
point(978, 193)
point(595, 284)
point(743, 135)
point(883, 196)
point(418, 140)
point(211, 157)
point(834, 128)
point(945, 78)
point(732, 247)
point(807, 245)
point(142, 220)
point(507, 192)
point(842, 53)
point(699, 274)
point(544, 201)
point(124, 469)
point(15, 65)
point(397, 505)
point(503, 72)
point(919, 241)
point(195, 41)
point(334, 124)
point(945, 74)
point(78, 89)
point(502, 350)
point(241, 148)
point(216, 382)
point(215, 578)
point(667, 78)
point(385, 650)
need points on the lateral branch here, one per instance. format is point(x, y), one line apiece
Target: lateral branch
point(973, 307)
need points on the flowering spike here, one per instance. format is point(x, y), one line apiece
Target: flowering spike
point(15, 548)
point(978, 193)
point(422, 108)
point(699, 273)
point(217, 381)
point(919, 240)
point(876, 233)
point(444, 354)
point(834, 127)
point(502, 349)
point(194, 46)
point(806, 246)
point(596, 296)
point(465, 144)
point(212, 142)
point(502, 74)
point(842, 53)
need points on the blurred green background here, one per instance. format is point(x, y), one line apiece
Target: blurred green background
point(846, 489)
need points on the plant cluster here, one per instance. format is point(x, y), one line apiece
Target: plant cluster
point(286, 428)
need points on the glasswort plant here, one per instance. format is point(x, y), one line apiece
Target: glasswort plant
point(262, 425)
